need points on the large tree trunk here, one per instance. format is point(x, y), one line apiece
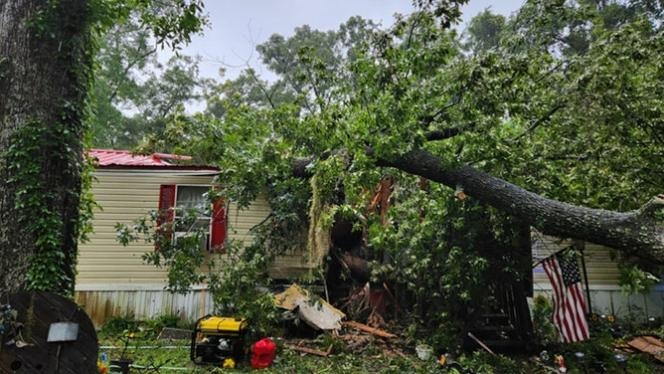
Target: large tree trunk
point(636, 232)
point(44, 71)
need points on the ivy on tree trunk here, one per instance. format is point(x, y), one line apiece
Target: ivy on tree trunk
point(45, 65)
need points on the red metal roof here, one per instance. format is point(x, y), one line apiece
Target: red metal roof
point(123, 158)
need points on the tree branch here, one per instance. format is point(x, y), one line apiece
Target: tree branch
point(534, 125)
point(636, 232)
point(632, 232)
point(129, 66)
point(446, 133)
point(653, 206)
point(257, 81)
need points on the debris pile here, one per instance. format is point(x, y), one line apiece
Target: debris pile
point(312, 310)
point(322, 316)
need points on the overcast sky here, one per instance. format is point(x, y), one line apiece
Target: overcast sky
point(237, 26)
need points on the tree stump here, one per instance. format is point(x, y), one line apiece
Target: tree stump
point(37, 311)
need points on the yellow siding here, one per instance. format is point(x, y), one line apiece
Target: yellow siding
point(602, 270)
point(126, 195)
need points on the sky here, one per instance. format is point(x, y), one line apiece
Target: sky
point(237, 26)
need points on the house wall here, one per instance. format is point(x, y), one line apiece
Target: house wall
point(113, 280)
point(606, 297)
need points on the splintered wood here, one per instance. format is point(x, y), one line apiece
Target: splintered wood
point(368, 329)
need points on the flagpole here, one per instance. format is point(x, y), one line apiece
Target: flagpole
point(536, 264)
point(582, 248)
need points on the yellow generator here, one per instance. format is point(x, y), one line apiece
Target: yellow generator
point(218, 340)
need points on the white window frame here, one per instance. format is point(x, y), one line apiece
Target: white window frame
point(175, 215)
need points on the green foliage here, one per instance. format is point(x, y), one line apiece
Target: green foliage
point(635, 280)
point(172, 23)
point(287, 360)
point(147, 329)
point(116, 326)
point(129, 78)
point(545, 331)
point(128, 35)
point(484, 31)
point(235, 279)
point(483, 362)
point(239, 289)
point(598, 356)
point(87, 201)
point(449, 255)
point(51, 268)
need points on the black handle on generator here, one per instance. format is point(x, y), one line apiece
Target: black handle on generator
point(192, 348)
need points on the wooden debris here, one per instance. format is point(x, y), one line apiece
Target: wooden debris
point(311, 351)
point(624, 347)
point(380, 202)
point(649, 345)
point(481, 344)
point(317, 313)
point(368, 329)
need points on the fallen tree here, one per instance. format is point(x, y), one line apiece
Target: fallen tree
point(635, 233)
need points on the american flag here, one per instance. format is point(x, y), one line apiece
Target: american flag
point(569, 312)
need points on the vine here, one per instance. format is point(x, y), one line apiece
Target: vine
point(34, 203)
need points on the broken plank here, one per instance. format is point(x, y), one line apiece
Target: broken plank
point(369, 329)
point(480, 343)
point(644, 345)
point(653, 340)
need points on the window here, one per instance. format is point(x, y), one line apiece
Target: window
point(190, 212)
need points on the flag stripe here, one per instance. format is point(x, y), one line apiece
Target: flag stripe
point(569, 313)
point(549, 268)
point(568, 316)
point(580, 310)
point(564, 312)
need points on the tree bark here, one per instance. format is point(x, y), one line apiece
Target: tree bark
point(44, 72)
point(636, 233)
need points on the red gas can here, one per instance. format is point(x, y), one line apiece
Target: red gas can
point(263, 353)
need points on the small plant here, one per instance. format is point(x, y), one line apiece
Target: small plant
point(634, 280)
point(545, 331)
point(117, 325)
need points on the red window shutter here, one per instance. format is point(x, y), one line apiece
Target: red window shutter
point(166, 212)
point(218, 227)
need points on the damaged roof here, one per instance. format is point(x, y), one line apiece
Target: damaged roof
point(114, 158)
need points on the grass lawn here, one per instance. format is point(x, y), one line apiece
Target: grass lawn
point(164, 359)
point(354, 352)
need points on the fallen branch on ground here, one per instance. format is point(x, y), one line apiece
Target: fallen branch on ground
point(368, 329)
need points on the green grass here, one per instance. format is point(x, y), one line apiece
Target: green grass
point(372, 360)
